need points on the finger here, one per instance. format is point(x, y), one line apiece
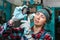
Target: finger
point(23, 21)
point(28, 20)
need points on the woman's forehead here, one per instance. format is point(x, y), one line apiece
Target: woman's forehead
point(39, 13)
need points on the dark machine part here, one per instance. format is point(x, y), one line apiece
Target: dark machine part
point(57, 24)
point(2, 17)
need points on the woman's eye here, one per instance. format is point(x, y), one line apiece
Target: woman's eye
point(42, 16)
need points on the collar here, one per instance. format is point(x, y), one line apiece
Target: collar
point(38, 35)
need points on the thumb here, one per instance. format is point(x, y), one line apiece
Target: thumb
point(28, 20)
point(23, 21)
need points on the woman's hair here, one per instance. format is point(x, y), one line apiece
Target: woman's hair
point(48, 9)
point(49, 12)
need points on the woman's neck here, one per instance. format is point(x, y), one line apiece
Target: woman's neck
point(38, 26)
point(37, 29)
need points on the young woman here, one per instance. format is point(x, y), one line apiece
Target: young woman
point(37, 31)
point(40, 19)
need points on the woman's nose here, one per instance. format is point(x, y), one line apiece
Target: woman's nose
point(38, 18)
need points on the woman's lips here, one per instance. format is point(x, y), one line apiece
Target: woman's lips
point(36, 21)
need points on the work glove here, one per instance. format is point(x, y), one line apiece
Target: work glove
point(27, 28)
point(17, 15)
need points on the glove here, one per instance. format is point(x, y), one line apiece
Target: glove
point(1, 29)
point(23, 6)
point(31, 16)
point(19, 9)
point(17, 15)
point(26, 26)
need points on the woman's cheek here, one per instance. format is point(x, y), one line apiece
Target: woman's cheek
point(43, 21)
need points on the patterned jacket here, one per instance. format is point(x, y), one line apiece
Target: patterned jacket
point(18, 34)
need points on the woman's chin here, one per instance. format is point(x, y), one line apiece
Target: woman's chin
point(36, 24)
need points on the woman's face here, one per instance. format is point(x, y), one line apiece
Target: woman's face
point(39, 19)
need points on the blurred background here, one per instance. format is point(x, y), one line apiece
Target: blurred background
point(7, 8)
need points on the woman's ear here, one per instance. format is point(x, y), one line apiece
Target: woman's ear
point(44, 22)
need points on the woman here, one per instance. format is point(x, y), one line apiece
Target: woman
point(40, 19)
point(37, 31)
